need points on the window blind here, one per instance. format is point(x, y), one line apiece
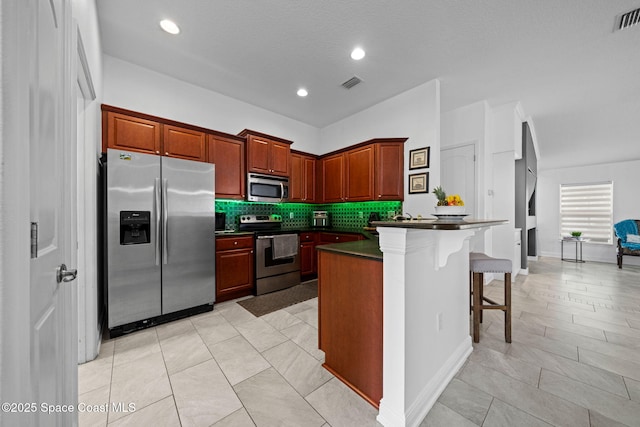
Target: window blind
point(587, 208)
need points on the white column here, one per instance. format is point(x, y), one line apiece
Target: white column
point(426, 318)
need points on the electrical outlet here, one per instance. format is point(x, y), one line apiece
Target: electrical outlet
point(290, 215)
point(360, 214)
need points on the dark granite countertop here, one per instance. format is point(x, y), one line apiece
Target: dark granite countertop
point(369, 248)
point(433, 224)
point(234, 233)
point(366, 233)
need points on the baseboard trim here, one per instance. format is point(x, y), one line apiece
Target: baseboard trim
point(431, 391)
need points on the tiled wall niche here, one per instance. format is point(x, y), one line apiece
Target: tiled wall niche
point(342, 215)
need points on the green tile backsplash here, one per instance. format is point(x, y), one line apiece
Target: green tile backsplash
point(342, 215)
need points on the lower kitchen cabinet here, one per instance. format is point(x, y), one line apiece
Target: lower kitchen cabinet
point(308, 254)
point(350, 321)
point(326, 237)
point(234, 267)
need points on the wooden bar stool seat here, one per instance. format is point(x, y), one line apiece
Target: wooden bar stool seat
point(479, 264)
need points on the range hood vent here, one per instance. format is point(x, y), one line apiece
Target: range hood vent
point(351, 82)
point(628, 19)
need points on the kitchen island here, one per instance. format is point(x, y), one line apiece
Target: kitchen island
point(350, 314)
point(425, 312)
point(397, 331)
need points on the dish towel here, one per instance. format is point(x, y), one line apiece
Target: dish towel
point(285, 246)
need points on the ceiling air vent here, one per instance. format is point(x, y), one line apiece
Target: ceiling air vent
point(351, 82)
point(628, 19)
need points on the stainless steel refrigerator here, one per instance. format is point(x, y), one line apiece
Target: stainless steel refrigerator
point(160, 239)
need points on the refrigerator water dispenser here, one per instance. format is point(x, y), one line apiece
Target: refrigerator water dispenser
point(135, 227)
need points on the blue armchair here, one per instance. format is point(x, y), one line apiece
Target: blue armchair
point(623, 229)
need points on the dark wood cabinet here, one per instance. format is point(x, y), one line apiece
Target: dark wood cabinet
point(359, 174)
point(228, 155)
point(302, 183)
point(333, 178)
point(350, 302)
point(267, 154)
point(389, 177)
point(234, 267)
point(372, 170)
point(308, 254)
point(184, 143)
point(328, 237)
point(129, 133)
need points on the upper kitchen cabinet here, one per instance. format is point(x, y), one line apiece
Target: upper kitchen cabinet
point(389, 182)
point(360, 177)
point(372, 170)
point(302, 184)
point(227, 152)
point(267, 154)
point(126, 132)
point(133, 131)
point(332, 177)
point(184, 143)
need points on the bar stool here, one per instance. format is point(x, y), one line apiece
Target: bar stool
point(479, 264)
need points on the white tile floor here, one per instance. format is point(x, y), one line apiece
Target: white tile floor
point(574, 361)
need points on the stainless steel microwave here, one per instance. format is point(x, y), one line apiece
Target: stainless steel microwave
point(267, 188)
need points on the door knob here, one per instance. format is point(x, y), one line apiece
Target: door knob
point(64, 275)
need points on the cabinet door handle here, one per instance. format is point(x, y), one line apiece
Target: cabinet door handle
point(235, 243)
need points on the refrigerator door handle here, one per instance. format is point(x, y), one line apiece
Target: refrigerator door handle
point(165, 216)
point(156, 211)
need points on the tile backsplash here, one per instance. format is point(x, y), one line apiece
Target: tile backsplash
point(298, 215)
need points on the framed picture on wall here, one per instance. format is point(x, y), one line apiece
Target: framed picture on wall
point(419, 183)
point(419, 158)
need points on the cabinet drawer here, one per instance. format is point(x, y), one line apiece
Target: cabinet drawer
point(308, 237)
point(228, 243)
point(339, 237)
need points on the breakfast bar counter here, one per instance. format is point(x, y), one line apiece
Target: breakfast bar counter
point(425, 312)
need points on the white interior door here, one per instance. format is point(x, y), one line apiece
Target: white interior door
point(458, 174)
point(52, 168)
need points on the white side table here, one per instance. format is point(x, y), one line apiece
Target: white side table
point(578, 242)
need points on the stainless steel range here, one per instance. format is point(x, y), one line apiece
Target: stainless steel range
point(277, 255)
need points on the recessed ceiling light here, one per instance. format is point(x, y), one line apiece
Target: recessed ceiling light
point(169, 26)
point(302, 92)
point(357, 54)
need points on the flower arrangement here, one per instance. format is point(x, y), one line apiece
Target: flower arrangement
point(444, 200)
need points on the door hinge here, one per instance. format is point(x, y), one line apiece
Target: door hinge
point(34, 240)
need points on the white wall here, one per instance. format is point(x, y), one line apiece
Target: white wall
point(626, 204)
point(139, 89)
point(414, 114)
point(505, 142)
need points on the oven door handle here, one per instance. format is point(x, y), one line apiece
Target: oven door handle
point(271, 237)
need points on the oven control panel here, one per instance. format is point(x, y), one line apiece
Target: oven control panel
point(258, 219)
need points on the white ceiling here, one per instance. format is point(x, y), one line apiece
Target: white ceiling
point(576, 78)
